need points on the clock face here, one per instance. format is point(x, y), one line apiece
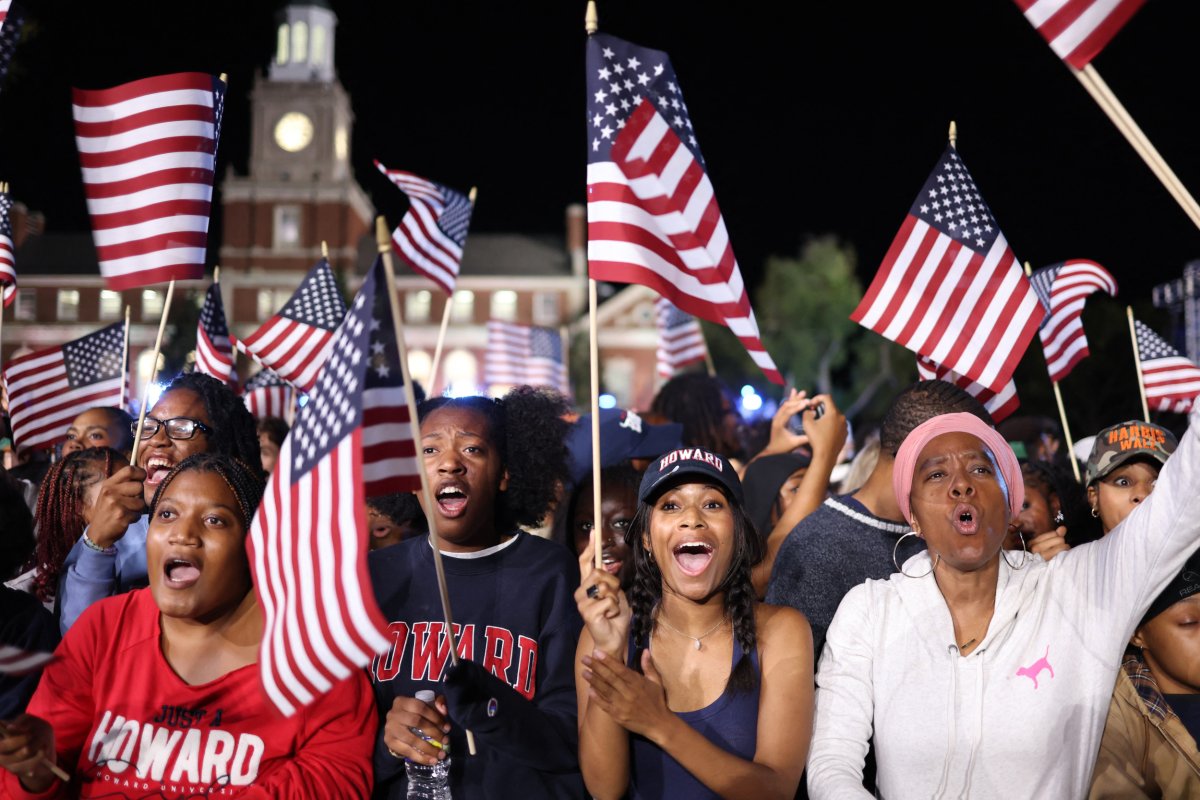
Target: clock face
point(293, 132)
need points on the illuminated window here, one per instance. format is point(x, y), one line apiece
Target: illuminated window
point(504, 305)
point(464, 306)
point(416, 306)
point(152, 304)
point(281, 45)
point(300, 41)
point(318, 44)
point(287, 227)
point(545, 309)
point(419, 365)
point(110, 305)
point(462, 373)
point(26, 305)
point(68, 305)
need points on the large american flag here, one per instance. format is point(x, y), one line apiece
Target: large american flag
point(523, 354)
point(8, 271)
point(148, 150)
point(214, 350)
point(949, 288)
point(49, 388)
point(12, 19)
point(308, 541)
point(1077, 30)
point(431, 236)
point(680, 338)
point(1063, 289)
point(652, 213)
point(267, 395)
point(296, 341)
point(1172, 381)
point(999, 404)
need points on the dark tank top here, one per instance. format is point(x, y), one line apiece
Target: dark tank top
point(730, 722)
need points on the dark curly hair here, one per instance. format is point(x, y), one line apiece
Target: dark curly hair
point(622, 475)
point(698, 402)
point(59, 514)
point(17, 525)
point(244, 480)
point(400, 507)
point(528, 428)
point(919, 402)
point(1055, 479)
point(646, 591)
point(275, 428)
point(235, 433)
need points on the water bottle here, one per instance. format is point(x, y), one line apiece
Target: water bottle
point(426, 782)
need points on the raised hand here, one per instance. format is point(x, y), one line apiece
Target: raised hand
point(602, 604)
point(635, 701)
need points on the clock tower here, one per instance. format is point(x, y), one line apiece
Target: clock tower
point(300, 189)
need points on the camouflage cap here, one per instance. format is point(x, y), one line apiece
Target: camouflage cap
point(1119, 443)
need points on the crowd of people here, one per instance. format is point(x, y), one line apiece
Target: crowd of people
point(938, 609)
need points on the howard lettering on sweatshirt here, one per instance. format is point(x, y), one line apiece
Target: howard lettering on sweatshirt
point(424, 648)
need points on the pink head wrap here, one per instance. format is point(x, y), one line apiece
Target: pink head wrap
point(1006, 460)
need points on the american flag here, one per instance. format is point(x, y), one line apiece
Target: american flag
point(296, 341)
point(214, 350)
point(148, 150)
point(999, 404)
point(949, 288)
point(267, 395)
point(8, 271)
point(652, 213)
point(680, 339)
point(1172, 381)
point(49, 388)
point(1078, 30)
point(521, 354)
point(12, 18)
point(15, 661)
point(307, 544)
point(431, 236)
point(1063, 289)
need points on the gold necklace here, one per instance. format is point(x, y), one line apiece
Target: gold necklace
point(658, 617)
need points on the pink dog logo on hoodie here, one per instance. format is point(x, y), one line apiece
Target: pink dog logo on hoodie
point(1035, 669)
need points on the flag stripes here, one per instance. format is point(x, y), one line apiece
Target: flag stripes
point(680, 338)
point(999, 404)
point(520, 354)
point(1172, 381)
point(1077, 30)
point(1063, 290)
point(431, 235)
point(214, 349)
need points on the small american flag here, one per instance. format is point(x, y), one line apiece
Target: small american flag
point(49, 388)
point(999, 404)
point(1077, 30)
point(12, 19)
point(949, 288)
point(652, 213)
point(1172, 381)
point(15, 661)
point(296, 341)
point(307, 544)
point(8, 271)
point(431, 236)
point(521, 354)
point(148, 151)
point(1063, 289)
point(267, 395)
point(680, 338)
point(214, 350)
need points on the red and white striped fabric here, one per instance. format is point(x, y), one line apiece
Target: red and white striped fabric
point(431, 236)
point(999, 404)
point(8, 271)
point(214, 350)
point(680, 338)
point(266, 395)
point(1172, 381)
point(1077, 30)
point(15, 661)
point(949, 288)
point(308, 541)
point(524, 355)
point(147, 150)
point(47, 389)
point(1063, 289)
point(653, 217)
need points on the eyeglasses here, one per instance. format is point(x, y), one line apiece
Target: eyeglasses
point(177, 427)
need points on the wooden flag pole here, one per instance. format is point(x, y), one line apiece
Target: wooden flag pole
point(441, 338)
point(1062, 410)
point(125, 358)
point(1137, 361)
point(591, 24)
point(1120, 117)
point(162, 326)
point(383, 239)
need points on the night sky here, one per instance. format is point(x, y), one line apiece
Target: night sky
point(814, 118)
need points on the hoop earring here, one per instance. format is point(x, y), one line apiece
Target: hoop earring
point(1095, 512)
point(1024, 554)
point(896, 548)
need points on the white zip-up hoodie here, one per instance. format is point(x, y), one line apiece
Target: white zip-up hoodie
point(1023, 714)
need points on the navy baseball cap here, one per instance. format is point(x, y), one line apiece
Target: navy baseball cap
point(623, 435)
point(690, 462)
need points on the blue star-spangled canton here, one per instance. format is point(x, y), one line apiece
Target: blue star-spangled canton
point(950, 202)
point(1043, 285)
point(95, 357)
point(6, 204)
point(10, 33)
point(670, 317)
point(546, 343)
point(620, 74)
point(264, 379)
point(456, 218)
point(1151, 345)
point(218, 111)
point(317, 302)
point(212, 315)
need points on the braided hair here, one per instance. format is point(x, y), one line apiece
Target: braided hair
point(919, 402)
point(245, 482)
point(59, 513)
point(646, 592)
point(235, 433)
point(527, 428)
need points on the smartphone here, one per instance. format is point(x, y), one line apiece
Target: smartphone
point(796, 423)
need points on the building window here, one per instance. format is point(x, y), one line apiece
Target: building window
point(26, 305)
point(618, 378)
point(68, 305)
point(416, 306)
point(462, 373)
point(464, 306)
point(281, 45)
point(152, 304)
point(504, 305)
point(110, 305)
point(287, 227)
point(300, 42)
point(318, 44)
point(419, 364)
point(270, 301)
point(545, 309)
